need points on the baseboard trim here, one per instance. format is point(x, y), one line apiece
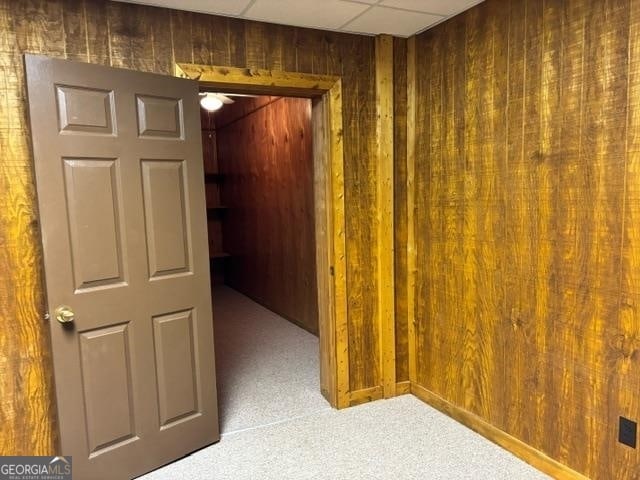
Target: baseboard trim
point(520, 449)
point(403, 388)
point(365, 395)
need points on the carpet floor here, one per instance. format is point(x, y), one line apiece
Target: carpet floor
point(276, 425)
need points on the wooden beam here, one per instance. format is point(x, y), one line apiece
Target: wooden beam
point(386, 299)
point(258, 81)
point(411, 234)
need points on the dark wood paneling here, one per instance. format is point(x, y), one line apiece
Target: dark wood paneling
point(242, 107)
point(152, 39)
point(526, 223)
point(265, 154)
point(212, 180)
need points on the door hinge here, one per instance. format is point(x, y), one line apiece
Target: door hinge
point(332, 272)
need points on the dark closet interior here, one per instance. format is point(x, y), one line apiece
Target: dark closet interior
point(258, 163)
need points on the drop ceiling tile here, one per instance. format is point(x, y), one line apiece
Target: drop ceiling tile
point(222, 7)
point(442, 7)
point(388, 20)
point(331, 14)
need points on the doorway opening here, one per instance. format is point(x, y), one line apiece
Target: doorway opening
point(239, 204)
point(258, 163)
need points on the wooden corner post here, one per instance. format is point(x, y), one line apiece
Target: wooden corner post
point(386, 297)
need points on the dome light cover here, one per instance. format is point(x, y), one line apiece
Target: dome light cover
point(210, 102)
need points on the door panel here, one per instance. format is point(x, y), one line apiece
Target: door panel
point(122, 210)
point(160, 117)
point(176, 367)
point(106, 376)
point(166, 217)
point(96, 240)
point(85, 110)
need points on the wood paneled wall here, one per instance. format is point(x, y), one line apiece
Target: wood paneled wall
point(265, 154)
point(527, 221)
point(153, 39)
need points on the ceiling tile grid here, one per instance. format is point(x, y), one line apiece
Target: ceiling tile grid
point(401, 23)
point(402, 18)
point(325, 14)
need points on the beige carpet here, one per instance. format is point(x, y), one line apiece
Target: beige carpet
point(276, 425)
point(267, 368)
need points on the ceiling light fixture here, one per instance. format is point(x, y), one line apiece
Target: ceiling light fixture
point(210, 102)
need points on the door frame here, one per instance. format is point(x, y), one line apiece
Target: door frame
point(325, 92)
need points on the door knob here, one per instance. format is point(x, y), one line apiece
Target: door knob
point(64, 314)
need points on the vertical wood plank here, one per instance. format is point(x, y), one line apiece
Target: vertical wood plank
point(319, 56)
point(334, 54)
point(290, 50)
point(219, 40)
point(384, 194)
point(275, 41)
point(97, 32)
point(517, 361)
point(566, 343)
point(162, 41)
point(181, 38)
point(75, 30)
point(324, 234)
point(254, 37)
point(421, 165)
point(360, 190)
point(400, 205)
point(120, 25)
point(139, 28)
point(411, 207)
point(550, 142)
point(304, 50)
point(501, 199)
point(334, 102)
point(236, 43)
point(201, 33)
point(453, 81)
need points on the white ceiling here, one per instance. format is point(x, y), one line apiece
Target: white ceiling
point(402, 18)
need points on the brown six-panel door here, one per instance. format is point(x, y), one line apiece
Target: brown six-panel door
point(121, 195)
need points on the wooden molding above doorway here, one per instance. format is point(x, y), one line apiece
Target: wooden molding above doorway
point(326, 93)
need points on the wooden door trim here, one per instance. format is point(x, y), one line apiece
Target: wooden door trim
point(328, 89)
point(258, 81)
